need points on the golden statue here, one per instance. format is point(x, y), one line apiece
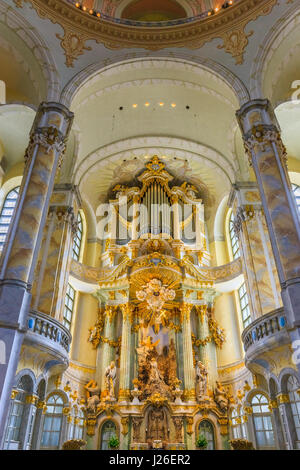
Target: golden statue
point(110, 380)
point(92, 395)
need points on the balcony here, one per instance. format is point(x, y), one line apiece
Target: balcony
point(49, 336)
point(264, 334)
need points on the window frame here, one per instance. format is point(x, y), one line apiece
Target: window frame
point(265, 414)
point(296, 192)
point(50, 417)
point(246, 320)
point(234, 241)
point(106, 422)
point(77, 242)
point(68, 313)
point(209, 441)
point(4, 226)
point(294, 402)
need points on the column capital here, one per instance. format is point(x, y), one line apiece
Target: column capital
point(255, 112)
point(127, 311)
point(50, 129)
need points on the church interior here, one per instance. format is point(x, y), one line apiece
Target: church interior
point(149, 224)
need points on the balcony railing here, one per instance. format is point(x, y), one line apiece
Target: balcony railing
point(45, 329)
point(263, 328)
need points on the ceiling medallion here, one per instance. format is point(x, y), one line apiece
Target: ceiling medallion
point(79, 28)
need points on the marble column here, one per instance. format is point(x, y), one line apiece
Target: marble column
point(52, 271)
point(207, 353)
point(125, 362)
point(188, 363)
point(47, 144)
point(259, 267)
point(268, 157)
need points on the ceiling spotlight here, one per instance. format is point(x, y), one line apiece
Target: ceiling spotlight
point(173, 105)
point(147, 103)
point(134, 105)
point(161, 103)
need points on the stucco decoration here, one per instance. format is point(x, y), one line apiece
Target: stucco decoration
point(229, 25)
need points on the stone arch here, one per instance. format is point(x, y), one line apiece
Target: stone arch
point(284, 376)
point(273, 386)
point(217, 70)
point(102, 423)
point(212, 420)
point(27, 378)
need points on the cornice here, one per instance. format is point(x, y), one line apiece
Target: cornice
point(79, 27)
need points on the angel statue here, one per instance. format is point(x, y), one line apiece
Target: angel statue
point(93, 393)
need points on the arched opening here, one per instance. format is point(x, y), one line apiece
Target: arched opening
point(18, 435)
point(206, 430)
point(293, 392)
point(108, 431)
point(262, 420)
point(53, 423)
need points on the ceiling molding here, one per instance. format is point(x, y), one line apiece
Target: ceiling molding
point(79, 27)
point(161, 146)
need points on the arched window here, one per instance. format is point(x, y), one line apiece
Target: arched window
point(238, 424)
point(12, 438)
point(262, 422)
point(244, 304)
point(292, 388)
point(78, 239)
point(296, 191)
point(108, 430)
point(16, 421)
point(235, 425)
point(206, 429)
point(233, 238)
point(79, 425)
point(52, 422)
point(7, 213)
point(69, 307)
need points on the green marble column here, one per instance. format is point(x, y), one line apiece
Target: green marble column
point(125, 362)
point(188, 362)
point(107, 353)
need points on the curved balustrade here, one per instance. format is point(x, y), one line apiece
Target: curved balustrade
point(48, 332)
point(264, 328)
point(147, 24)
point(217, 274)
